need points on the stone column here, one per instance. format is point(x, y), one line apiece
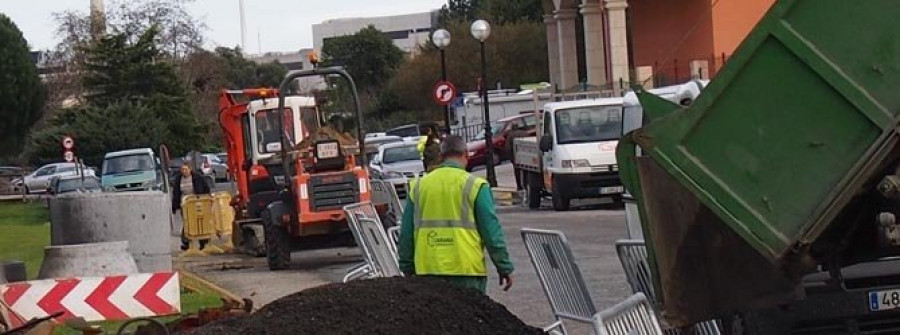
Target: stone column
point(568, 50)
point(552, 48)
point(594, 43)
point(618, 40)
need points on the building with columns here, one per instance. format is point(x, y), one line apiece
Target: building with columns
point(608, 44)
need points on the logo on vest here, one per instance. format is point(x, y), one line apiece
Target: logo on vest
point(438, 241)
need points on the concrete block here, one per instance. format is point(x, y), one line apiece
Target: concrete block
point(87, 260)
point(141, 218)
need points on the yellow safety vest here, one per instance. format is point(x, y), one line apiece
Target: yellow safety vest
point(446, 236)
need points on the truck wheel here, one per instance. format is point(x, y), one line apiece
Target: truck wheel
point(533, 190)
point(278, 252)
point(560, 201)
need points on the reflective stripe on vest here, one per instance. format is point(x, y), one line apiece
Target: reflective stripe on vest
point(447, 243)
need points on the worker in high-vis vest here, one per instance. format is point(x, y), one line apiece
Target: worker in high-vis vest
point(449, 222)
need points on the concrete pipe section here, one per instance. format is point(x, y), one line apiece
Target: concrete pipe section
point(87, 260)
point(141, 218)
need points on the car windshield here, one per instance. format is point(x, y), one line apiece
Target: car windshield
point(588, 124)
point(399, 154)
point(127, 163)
point(495, 128)
point(73, 184)
point(405, 131)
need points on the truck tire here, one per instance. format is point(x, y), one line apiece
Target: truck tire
point(278, 246)
point(533, 186)
point(560, 201)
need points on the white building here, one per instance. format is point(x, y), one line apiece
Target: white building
point(408, 31)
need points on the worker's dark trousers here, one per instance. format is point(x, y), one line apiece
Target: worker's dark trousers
point(518, 174)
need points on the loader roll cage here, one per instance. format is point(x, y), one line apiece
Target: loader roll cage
point(285, 86)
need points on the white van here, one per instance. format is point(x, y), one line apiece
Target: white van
point(574, 154)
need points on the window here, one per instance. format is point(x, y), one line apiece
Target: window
point(530, 121)
point(547, 125)
point(399, 154)
point(127, 163)
point(268, 128)
point(45, 171)
point(248, 147)
point(496, 127)
point(588, 124)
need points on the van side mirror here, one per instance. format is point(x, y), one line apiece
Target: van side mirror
point(546, 143)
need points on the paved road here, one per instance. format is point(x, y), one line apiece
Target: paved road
point(591, 230)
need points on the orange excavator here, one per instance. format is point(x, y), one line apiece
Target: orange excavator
point(293, 176)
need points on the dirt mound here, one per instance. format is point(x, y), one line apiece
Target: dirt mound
point(326, 133)
point(378, 306)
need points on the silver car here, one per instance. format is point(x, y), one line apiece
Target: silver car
point(39, 180)
point(398, 163)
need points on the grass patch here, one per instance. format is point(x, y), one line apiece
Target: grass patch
point(26, 231)
point(191, 302)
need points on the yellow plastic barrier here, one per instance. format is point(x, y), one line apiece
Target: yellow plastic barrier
point(224, 218)
point(199, 222)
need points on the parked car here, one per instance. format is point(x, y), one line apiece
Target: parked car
point(39, 180)
point(373, 144)
point(397, 163)
point(501, 129)
point(132, 170)
point(70, 184)
point(218, 168)
point(410, 131)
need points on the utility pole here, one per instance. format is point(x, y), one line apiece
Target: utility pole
point(243, 27)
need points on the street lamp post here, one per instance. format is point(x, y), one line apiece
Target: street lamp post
point(481, 29)
point(441, 39)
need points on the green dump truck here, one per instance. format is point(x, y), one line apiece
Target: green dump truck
point(771, 202)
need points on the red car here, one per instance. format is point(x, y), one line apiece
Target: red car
point(519, 125)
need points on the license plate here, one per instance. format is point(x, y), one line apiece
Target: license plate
point(884, 300)
point(279, 179)
point(612, 190)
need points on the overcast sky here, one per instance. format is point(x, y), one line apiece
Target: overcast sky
point(283, 25)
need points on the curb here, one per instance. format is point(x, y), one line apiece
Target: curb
point(504, 196)
point(195, 283)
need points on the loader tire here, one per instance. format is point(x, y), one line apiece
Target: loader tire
point(278, 244)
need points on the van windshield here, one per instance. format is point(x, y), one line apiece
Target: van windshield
point(128, 163)
point(588, 124)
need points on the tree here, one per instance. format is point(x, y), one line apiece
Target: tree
point(516, 54)
point(21, 92)
point(369, 56)
point(97, 130)
point(498, 12)
point(117, 70)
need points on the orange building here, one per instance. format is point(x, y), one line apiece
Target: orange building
point(682, 38)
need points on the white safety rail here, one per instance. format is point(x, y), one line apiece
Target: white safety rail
point(633, 256)
point(379, 251)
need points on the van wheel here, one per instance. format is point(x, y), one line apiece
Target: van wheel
point(533, 190)
point(278, 252)
point(560, 201)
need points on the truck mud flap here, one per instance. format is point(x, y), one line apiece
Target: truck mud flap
point(703, 268)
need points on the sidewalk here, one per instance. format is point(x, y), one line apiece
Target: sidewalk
point(505, 193)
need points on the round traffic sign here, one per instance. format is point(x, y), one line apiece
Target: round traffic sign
point(69, 156)
point(443, 93)
point(68, 143)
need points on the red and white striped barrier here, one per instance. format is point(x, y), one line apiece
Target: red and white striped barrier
point(96, 298)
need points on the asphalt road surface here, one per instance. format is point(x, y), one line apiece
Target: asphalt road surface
point(591, 229)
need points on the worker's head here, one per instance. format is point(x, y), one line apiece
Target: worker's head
point(186, 169)
point(454, 148)
point(425, 131)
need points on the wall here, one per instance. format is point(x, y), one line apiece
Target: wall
point(733, 20)
point(662, 33)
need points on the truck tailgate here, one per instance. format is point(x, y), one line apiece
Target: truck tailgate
point(527, 154)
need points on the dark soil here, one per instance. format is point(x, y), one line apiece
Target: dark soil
point(378, 306)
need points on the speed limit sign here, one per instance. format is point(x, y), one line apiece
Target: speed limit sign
point(68, 143)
